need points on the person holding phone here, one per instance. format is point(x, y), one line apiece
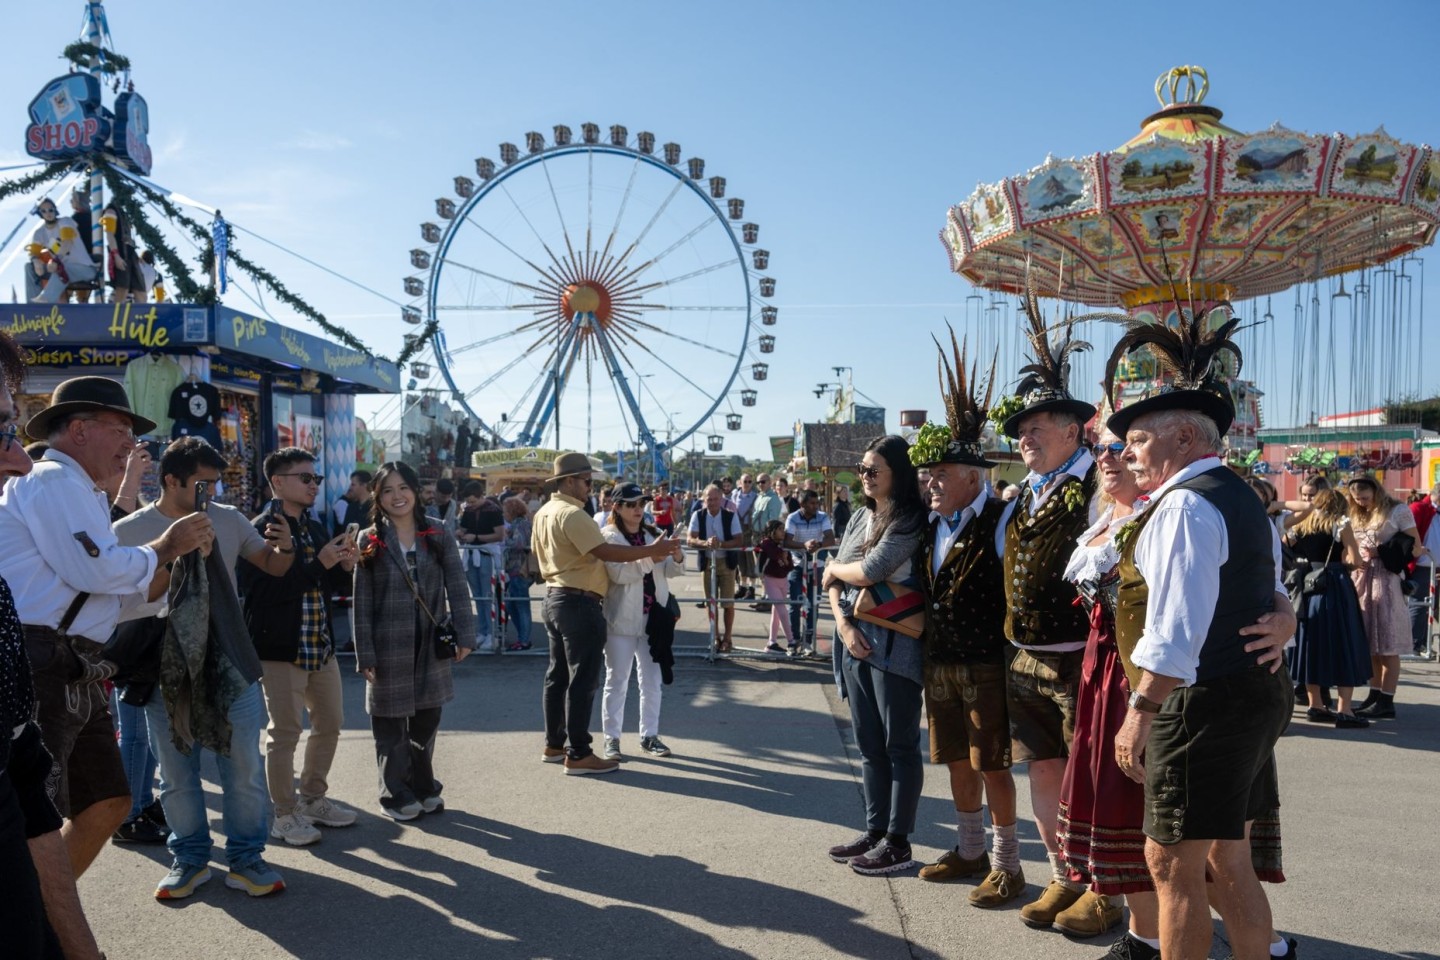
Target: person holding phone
point(289, 619)
point(408, 578)
point(189, 470)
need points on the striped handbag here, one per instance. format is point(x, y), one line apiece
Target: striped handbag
point(893, 605)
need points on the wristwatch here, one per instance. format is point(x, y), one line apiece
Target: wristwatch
point(1143, 704)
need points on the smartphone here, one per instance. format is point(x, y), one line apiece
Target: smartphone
point(154, 448)
point(352, 530)
point(202, 496)
point(277, 509)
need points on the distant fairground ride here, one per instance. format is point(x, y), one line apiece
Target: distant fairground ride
point(1235, 216)
point(593, 282)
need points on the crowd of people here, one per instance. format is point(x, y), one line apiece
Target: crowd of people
point(1119, 623)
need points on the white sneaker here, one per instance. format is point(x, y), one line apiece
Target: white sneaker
point(612, 748)
point(410, 811)
point(295, 830)
point(326, 812)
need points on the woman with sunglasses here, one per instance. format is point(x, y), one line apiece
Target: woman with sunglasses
point(636, 589)
point(881, 672)
point(409, 577)
point(1101, 809)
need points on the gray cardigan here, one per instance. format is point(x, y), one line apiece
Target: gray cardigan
point(890, 559)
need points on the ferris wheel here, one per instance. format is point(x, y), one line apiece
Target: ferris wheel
point(594, 293)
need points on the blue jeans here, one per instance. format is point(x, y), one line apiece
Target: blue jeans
point(518, 608)
point(796, 583)
point(885, 712)
point(136, 755)
point(244, 798)
point(483, 591)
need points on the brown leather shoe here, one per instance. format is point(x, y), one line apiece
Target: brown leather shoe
point(1090, 916)
point(998, 889)
point(589, 764)
point(952, 866)
point(1042, 912)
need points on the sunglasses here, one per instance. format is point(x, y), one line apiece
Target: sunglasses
point(314, 478)
point(869, 473)
point(1114, 449)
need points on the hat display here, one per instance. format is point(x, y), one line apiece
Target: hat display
point(629, 493)
point(86, 395)
point(1186, 353)
point(1046, 384)
point(960, 440)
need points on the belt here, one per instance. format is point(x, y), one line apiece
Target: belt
point(51, 634)
point(577, 592)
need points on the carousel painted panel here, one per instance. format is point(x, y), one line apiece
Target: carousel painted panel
point(1425, 188)
point(1173, 224)
point(953, 236)
point(1273, 161)
point(1239, 223)
point(1160, 170)
point(1057, 189)
point(1372, 167)
point(987, 213)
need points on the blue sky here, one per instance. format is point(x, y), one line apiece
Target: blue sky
point(848, 129)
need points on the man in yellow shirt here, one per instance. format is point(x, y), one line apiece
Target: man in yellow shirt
point(572, 553)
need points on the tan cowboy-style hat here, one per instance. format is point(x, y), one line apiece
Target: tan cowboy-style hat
point(85, 395)
point(569, 465)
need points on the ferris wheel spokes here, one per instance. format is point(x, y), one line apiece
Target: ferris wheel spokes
point(492, 276)
point(617, 376)
point(496, 338)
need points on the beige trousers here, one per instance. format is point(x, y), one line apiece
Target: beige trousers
point(289, 691)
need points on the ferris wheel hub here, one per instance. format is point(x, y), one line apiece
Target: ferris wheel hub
point(587, 297)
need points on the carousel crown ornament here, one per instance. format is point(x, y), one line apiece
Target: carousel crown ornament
point(1045, 386)
point(960, 440)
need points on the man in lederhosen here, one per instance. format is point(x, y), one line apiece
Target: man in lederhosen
point(1199, 568)
point(1044, 619)
point(965, 649)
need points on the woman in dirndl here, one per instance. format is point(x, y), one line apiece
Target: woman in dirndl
point(1101, 809)
point(1376, 517)
point(1330, 647)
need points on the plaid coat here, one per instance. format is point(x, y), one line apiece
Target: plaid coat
point(392, 633)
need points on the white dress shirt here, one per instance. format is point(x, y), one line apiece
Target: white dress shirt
point(55, 525)
point(945, 538)
point(1179, 552)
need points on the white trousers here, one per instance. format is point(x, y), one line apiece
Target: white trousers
point(620, 653)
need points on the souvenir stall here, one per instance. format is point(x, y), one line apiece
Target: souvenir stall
point(437, 437)
point(246, 384)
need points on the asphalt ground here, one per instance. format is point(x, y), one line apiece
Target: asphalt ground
point(719, 850)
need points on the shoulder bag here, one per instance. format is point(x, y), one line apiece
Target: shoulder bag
point(894, 606)
point(447, 641)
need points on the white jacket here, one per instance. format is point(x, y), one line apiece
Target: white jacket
point(625, 603)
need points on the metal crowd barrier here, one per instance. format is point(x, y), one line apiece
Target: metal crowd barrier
point(812, 571)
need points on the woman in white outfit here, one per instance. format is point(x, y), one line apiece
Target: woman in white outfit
point(635, 587)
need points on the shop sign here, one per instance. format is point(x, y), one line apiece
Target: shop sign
point(260, 337)
point(68, 122)
point(231, 372)
point(147, 326)
point(81, 357)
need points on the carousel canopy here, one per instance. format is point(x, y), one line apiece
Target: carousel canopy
point(1236, 215)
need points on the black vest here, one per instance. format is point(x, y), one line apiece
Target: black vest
point(1247, 578)
point(965, 621)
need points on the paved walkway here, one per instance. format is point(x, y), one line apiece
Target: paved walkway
point(718, 851)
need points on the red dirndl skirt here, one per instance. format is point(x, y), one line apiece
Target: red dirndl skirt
point(1101, 809)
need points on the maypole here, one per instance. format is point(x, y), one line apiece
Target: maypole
point(96, 32)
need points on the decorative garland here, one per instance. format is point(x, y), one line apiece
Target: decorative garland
point(30, 181)
point(413, 348)
point(84, 55)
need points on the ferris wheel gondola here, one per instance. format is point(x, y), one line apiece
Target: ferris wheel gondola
point(597, 284)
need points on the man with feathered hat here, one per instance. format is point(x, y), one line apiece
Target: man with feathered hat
point(1198, 568)
point(960, 572)
point(1044, 618)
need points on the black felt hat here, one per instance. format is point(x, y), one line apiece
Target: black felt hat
point(86, 395)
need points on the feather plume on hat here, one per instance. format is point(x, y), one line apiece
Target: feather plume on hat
point(1186, 353)
point(1049, 369)
point(961, 440)
point(965, 413)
